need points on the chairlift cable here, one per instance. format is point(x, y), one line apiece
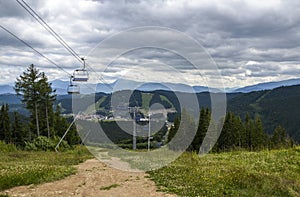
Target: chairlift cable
point(39, 53)
point(59, 38)
point(49, 29)
point(62, 42)
point(28, 45)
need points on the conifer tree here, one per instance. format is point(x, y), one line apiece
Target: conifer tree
point(203, 124)
point(36, 93)
point(47, 97)
point(5, 132)
point(174, 128)
point(240, 132)
point(249, 132)
point(258, 136)
point(18, 130)
point(279, 138)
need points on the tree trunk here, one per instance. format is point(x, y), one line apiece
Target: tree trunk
point(47, 120)
point(37, 120)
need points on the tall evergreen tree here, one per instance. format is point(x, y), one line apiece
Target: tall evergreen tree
point(174, 128)
point(26, 86)
point(249, 126)
point(47, 98)
point(186, 131)
point(279, 138)
point(239, 132)
point(6, 126)
point(35, 91)
point(61, 124)
point(183, 129)
point(227, 138)
point(259, 138)
point(5, 132)
point(203, 124)
point(18, 130)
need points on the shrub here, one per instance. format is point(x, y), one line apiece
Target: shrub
point(7, 147)
point(46, 144)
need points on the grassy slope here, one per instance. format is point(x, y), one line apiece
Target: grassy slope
point(24, 168)
point(266, 173)
point(146, 98)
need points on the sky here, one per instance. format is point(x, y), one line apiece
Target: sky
point(249, 42)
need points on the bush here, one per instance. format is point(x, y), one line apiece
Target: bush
point(7, 147)
point(46, 144)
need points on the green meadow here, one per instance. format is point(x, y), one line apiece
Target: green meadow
point(240, 173)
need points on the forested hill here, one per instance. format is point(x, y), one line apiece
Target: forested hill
point(279, 106)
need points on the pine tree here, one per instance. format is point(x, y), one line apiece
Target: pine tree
point(26, 86)
point(240, 132)
point(47, 97)
point(61, 124)
point(174, 128)
point(35, 91)
point(203, 124)
point(279, 138)
point(183, 129)
point(249, 127)
point(259, 138)
point(186, 131)
point(72, 137)
point(227, 137)
point(5, 131)
point(17, 130)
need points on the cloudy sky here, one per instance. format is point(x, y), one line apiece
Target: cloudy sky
point(249, 41)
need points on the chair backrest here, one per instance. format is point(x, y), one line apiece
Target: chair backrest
point(80, 75)
point(73, 89)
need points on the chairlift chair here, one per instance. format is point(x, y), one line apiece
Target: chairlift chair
point(73, 88)
point(81, 75)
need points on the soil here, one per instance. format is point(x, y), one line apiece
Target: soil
point(94, 178)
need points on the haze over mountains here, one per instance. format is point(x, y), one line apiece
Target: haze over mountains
point(61, 87)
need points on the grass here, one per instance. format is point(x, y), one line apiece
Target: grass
point(25, 168)
point(265, 173)
point(146, 98)
point(109, 187)
point(141, 160)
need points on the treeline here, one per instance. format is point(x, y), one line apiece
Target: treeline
point(17, 129)
point(45, 119)
point(11, 131)
point(250, 134)
point(247, 134)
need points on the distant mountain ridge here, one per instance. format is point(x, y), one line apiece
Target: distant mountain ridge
point(268, 85)
point(121, 84)
point(6, 89)
point(61, 86)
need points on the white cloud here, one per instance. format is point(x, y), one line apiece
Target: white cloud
point(251, 41)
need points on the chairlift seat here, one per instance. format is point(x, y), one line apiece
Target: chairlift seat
point(80, 75)
point(73, 89)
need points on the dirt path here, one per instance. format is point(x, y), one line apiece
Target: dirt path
point(93, 179)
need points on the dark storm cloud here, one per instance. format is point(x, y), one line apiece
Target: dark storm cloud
point(235, 33)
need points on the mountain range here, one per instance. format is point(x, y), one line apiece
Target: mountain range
point(121, 84)
point(278, 106)
point(268, 85)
